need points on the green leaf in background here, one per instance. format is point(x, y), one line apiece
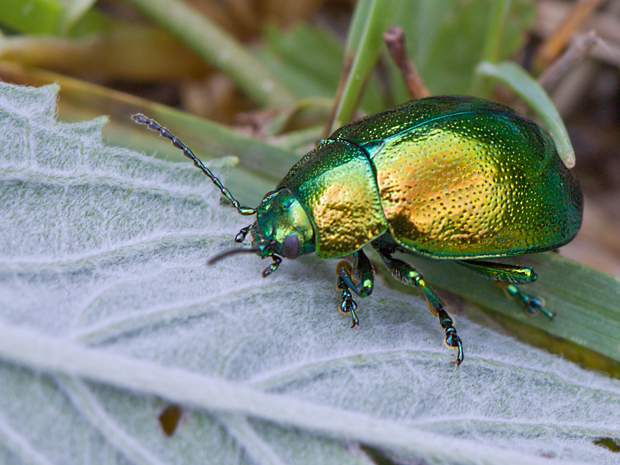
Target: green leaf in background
point(218, 48)
point(446, 40)
point(52, 17)
point(309, 59)
point(108, 312)
point(41, 17)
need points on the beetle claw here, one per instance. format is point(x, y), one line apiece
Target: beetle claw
point(240, 237)
point(348, 305)
point(452, 340)
point(273, 267)
point(533, 305)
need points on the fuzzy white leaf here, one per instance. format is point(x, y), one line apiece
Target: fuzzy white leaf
point(108, 312)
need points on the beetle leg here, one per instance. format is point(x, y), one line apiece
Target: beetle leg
point(348, 305)
point(506, 276)
point(408, 275)
point(362, 285)
point(501, 271)
point(274, 265)
point(533, 305)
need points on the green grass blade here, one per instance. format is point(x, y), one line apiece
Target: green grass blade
point(492, 44)
point(74, 11)
point(309, 60)
point(365, 47)
point(313, 52)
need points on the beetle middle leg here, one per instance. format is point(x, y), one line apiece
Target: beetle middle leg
point(359, 279)
point(507, 276)
point(408, 275)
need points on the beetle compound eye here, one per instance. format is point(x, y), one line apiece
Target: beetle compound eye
point(291, 246)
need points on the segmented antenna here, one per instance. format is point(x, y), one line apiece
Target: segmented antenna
point(227, 253)
point(155, 126)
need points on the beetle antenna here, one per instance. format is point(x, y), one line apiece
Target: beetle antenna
point(226, 253)
point(155, 126)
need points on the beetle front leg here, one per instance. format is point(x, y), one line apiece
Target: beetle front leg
point(406, 274)
point(348, 305)
point(359, 279)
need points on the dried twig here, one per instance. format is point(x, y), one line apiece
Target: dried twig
point(576, 52)
point(554, 45)
point(395, 40)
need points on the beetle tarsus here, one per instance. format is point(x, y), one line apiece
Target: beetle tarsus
point(240, 237)
point(348, 305)
point(362, 285)
point(452, 339)
point(459, 346)
point(273, 267)
point(533, 305)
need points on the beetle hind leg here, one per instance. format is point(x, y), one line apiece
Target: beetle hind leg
point(359, 279)
point(533, 305)
point(507, 276)
point(408, 275)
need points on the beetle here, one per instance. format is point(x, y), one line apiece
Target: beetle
point(449, 178)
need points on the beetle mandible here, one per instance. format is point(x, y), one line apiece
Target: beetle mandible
point(450, 177)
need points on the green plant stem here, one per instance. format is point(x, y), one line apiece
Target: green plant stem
point(364, 44)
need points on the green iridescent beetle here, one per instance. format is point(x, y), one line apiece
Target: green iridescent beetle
point(450, 178)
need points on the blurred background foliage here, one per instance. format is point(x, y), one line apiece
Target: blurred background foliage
point(264, 79)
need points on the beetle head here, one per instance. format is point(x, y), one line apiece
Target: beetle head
point(282, 228)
